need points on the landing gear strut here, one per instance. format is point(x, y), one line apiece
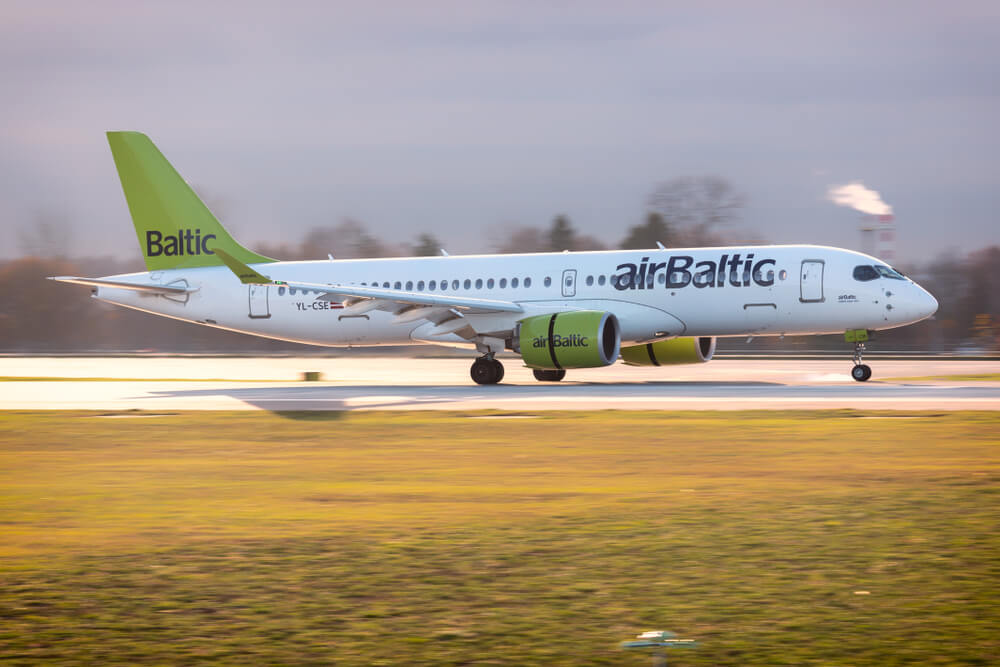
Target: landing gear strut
point(486, 370)
point(549, 376)
point(860, 372)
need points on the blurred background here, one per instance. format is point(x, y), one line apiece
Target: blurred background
point(400, 128)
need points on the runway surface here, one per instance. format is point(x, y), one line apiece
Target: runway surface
point(399, 383)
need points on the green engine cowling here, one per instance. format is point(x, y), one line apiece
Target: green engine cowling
point(670, 352)
point(576, 339)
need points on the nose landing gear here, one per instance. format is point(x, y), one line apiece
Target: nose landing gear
point(861, 371)
point(486, 370)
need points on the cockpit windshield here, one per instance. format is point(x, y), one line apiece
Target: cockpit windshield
point(889, 272)
point(865, 272)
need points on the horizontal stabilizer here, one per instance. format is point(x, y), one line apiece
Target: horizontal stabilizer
point(151, 288)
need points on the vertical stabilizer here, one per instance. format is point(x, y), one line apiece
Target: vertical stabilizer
point(175, 229)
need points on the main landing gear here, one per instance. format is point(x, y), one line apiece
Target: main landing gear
point(486, 370)
point(549, 376)
point(860, 372)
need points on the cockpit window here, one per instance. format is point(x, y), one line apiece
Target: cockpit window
point(865, 273)
point(888, 272)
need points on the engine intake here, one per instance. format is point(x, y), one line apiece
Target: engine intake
point(576, 339)
point(670, 352)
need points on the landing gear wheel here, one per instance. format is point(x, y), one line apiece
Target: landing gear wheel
point(549, 376)
point(861, 372)
point(486, 371)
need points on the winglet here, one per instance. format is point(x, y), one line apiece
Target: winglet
point(246, 275)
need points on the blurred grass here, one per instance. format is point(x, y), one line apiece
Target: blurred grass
point(812, 538)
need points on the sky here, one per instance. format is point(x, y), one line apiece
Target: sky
point(467, 119)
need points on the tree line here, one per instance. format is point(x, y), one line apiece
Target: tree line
point(39, 315)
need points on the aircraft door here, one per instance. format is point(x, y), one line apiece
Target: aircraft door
point(811, 281)
point(259, 307)
point(569, 282)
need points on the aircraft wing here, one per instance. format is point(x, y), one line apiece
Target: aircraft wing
point(372, 298)
point(150, 288)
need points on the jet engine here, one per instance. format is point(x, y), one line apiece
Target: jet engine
point(670, 352)
point(576, 339)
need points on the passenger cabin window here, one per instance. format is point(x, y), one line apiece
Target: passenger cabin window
point(548, 281)
point(398, 285)
point(409, 285)
point(281, 291)
point(489, 284)
point(527, 282)
point(503, 283)
point(454, 284)
point(600, 279)
point(479, 283)
point(513, 282)
point(420, 286)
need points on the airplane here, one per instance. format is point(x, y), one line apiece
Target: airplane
point(558, 311)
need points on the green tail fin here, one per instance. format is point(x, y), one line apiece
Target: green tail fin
point(175, 229)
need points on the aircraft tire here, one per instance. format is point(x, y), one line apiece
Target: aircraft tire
point(543, 375)
point(486, 371)
point(861, 372)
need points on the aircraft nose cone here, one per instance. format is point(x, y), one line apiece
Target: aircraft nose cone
point(926, 304)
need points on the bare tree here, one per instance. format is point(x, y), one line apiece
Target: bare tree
point(427, 245)
point(48, 235)
point(562, 236)
point(697, 206)
point(654, 230)
point(523, 239)
point(348, 239)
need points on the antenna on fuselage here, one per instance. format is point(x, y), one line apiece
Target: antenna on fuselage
point(330, 256)
point(444, 253)
point(660, 246)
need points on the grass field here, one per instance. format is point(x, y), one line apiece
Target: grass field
point(815, 538)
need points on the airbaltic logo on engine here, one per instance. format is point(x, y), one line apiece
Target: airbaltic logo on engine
point(677, 272)
point(185, 242)
point(572, 340)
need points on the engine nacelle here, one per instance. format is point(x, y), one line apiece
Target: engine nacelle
point(670, 352)
point(576, 339)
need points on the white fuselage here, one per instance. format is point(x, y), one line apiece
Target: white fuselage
point(757, 290)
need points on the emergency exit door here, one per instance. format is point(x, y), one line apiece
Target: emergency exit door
point(569, 282)
point(811, 281)
point(259, 307)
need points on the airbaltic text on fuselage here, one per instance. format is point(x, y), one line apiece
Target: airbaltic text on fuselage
point(682, 270)
point(185, 242)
